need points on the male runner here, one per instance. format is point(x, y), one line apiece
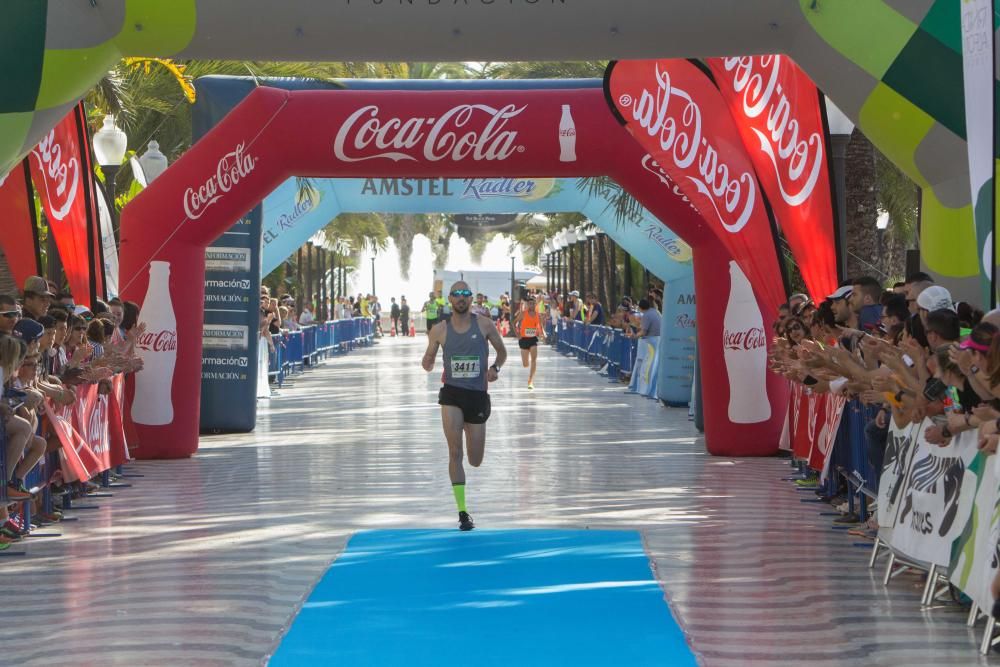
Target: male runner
point(465, 405)
point(431, 311)
point(528, 324)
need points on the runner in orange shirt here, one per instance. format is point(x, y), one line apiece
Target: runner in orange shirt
point(529, 326)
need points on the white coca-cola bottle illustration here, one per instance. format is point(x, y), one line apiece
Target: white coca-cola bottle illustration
point(567, 136)
point(157, 346)
point(745, 350)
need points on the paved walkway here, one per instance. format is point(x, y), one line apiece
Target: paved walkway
point(205, 561)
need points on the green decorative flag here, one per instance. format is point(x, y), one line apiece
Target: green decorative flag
point(980, 106)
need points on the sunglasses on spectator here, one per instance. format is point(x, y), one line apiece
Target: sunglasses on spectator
point(461, 292)
point(11, 314)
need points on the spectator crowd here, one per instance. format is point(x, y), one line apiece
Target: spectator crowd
point(49, 349)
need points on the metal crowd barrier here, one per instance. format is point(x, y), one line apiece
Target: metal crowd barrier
point(608, 349)
point(295, 350)
point(850, 459)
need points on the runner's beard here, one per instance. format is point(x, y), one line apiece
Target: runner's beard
point(461, 307)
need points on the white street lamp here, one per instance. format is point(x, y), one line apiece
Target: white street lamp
point(153, 162)
point(110, 143)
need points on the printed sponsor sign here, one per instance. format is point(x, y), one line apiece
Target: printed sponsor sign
point(937, 499)
point(224, 337)
point(776, 108)
point(464, 132)
point(57, 169)
point(679, 117)
point(223, 258)
point(231, 168)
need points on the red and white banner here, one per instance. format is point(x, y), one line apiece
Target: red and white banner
point(814, 420)
point(61, 174)
point(90, 419)
point(91, 430)
point(677, 114)
point(19, 240)
point(777, 111)
point(79, 461)
point(116, 422)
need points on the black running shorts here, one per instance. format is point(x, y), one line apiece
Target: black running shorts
point(475, 405)
point(527, 343)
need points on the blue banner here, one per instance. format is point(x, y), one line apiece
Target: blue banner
point(677, 342)
point(230, 338)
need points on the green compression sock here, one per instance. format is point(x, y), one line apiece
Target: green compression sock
point(459, 491)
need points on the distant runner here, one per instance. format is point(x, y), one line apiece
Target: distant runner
point(528, 324)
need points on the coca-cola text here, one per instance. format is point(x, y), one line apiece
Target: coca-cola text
point(749, 339)
point(61, 175)
point(678, 126)
point(433, 138)
point(230, 170)
point(157, 341)
point(757, 79)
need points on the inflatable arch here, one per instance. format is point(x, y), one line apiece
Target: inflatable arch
point(289, 220)
point(283, 222)
point(893, 66)
point(273, 135)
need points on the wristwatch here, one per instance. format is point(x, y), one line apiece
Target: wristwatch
point(945, 432)
point(496, 368)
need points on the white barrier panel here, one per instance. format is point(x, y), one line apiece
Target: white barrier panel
point(976, 562)
point(937, 500)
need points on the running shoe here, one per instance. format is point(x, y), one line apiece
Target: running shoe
point(531, 385)
point(465, 521)
point(15, 493)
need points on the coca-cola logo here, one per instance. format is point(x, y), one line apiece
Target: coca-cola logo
point(157, 341)
point(230, 170)
point(434, 139)
point(60, 175)
point(670, 114)
point(747, 339)
point(757, 78)
point(650, 164)
point(97, 426)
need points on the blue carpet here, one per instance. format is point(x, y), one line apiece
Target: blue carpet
point(502, 597)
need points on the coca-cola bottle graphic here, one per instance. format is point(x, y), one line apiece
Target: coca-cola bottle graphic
point(567, 136)
point(157, 347)
point(745, 350)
